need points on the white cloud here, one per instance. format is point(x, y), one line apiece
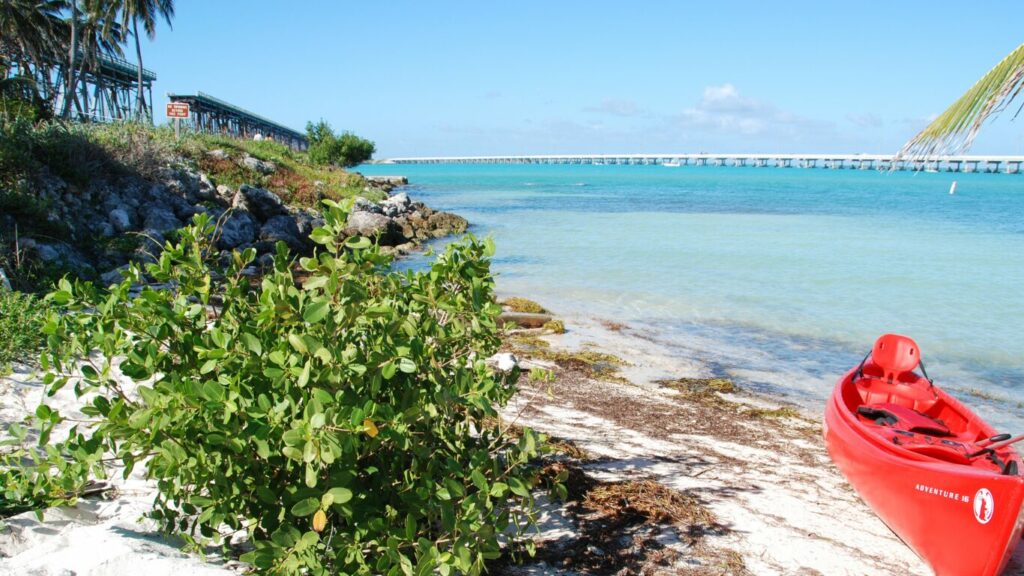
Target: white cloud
point(723, 109)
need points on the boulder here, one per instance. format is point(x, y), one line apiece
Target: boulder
point(225, 193)
point(363, 205)
point(238, 229)
point(114, 276)
point(160, 218)
point(217, 154)
point(307, 220)
point(445, 223)
point(396, 205)
point(258, 165)
point(283, 228)
point(374, 225)
point(120, 219)
point(263, 203)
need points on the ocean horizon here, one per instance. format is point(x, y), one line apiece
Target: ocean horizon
point(778, 278)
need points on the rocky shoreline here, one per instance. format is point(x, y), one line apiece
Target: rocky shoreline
point(112, 222)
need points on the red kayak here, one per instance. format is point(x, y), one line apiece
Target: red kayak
point(942, 479)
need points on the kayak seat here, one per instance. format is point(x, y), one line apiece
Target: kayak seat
point(916, 395)
point(903, 418)
point(895, 355)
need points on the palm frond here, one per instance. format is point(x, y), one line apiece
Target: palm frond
point(955, 129)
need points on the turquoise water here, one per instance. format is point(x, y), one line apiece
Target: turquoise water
point(782, 278)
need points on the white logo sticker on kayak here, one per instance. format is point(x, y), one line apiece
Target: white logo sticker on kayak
point(984, 506)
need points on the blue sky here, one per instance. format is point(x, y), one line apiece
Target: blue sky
point(530, 77)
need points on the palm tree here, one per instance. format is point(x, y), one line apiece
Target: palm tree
point(30, 31)
point(99, 34)
point(31, 39)
point(147, 12)
point(954, 130)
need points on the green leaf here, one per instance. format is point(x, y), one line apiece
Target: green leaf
point(208, 366)
point(478, 480)
point(406, 365)
point(340, 495)
point(252, 343)
point(314, 282)
point(304, 375)
point(358, 243)
point(518, 487)
point(316, 311)
point(297, 343)
point(305, 507)
point(321, 236)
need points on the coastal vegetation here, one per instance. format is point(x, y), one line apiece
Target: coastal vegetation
point(62, 183)
point(21, 322)
point(340, 421)
point(344, 150)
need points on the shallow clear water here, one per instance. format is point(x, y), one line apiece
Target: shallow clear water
point(782, 278)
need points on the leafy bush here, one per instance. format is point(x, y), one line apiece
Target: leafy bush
point(21, 321)
point(346, 423)
point(325, 147)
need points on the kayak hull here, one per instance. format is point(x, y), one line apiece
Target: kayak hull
point(961, 518)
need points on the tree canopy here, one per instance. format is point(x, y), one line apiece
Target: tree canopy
point(345, 150)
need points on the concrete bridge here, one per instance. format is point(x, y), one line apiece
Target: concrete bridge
point(883, 162)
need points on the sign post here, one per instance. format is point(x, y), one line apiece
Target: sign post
point(177, 110)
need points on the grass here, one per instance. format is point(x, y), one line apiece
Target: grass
point(517, 304)
point(296, 180)
point(21, 321)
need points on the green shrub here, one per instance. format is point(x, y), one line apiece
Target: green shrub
point(345, 150)
point(347, 423)
point(21, 322)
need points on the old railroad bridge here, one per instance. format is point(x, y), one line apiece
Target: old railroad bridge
point(1005, 164)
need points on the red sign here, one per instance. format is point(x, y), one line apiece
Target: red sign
point(177, 110)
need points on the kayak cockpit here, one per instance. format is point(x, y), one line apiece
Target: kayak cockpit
point(906, 413)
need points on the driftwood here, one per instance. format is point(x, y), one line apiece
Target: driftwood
point(524, 319)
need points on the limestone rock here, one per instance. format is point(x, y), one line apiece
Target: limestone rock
point(160, 219)
point(120, 219)
point(238, 229)
point(263, 203)
point(283, 228)
point(258, 165)
point(372, 226)
point(445, 223)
